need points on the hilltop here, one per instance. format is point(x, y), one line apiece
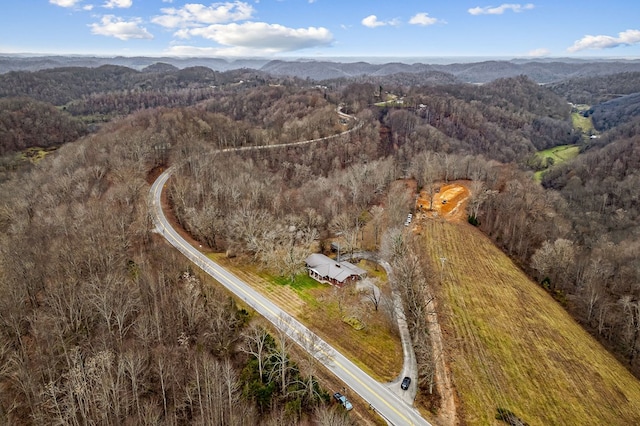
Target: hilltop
point(476, 71)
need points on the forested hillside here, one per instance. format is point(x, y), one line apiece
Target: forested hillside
point(594, 90)
point(507, 120)
point(600, 197)
point(25, 123)
point(62, 85)
point(108, 90)
point(600, 189)
point(611, 101)
point(615, 112)
point(101, 323)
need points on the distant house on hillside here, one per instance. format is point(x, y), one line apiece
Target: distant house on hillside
point(324, 269)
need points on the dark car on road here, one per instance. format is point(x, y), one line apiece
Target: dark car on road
point(405, 383)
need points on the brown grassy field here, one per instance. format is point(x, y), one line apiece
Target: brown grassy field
point(510, 345)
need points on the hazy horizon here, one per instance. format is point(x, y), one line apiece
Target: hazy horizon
point(436, 60)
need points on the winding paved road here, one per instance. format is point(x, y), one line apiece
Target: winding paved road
point(381, 398)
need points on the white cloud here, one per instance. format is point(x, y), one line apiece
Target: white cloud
point(499, 10)
point(371, 21)
point(261, 37)
point(539, 52)
point(113, 26)
point(123, 4)
point(423, 19)
point(65, 3)
point(625, 38)
point(71, 3)
point(180, 50)
point(191, 15)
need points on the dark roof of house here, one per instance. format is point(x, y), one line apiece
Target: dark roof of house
point(327, 267)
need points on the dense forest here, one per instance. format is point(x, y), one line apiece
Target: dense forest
point(595, 90)
point(100, 323)
point(25, 123)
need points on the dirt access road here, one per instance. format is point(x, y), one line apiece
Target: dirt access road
point(447, 202)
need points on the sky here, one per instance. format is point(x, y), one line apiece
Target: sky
point(322, 28)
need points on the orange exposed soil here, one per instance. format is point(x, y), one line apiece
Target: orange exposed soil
point(450, 202)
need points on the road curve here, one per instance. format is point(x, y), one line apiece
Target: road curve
point(382, 399)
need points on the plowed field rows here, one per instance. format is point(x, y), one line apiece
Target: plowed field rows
point(512, 346)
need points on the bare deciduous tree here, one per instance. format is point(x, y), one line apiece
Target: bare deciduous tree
point(478, 195)
point(135, 366)
point(348, 227)
point(332, 415)
point(280, 363)
point(554, 261)
point(373, 294)
point(592, 280)
point(631, 311)
point(256, 344)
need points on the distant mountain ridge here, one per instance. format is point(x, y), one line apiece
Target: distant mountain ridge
point(541, 70)
point(37, 63)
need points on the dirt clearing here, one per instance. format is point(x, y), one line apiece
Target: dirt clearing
point(449, 202)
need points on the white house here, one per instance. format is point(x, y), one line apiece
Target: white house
point(324, 269)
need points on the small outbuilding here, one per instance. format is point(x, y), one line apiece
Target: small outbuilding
point(324, 269)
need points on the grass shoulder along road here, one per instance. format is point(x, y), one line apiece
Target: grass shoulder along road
point(330, 313)
point(513, 347)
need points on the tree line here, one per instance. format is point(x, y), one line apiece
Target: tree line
point(599, 190)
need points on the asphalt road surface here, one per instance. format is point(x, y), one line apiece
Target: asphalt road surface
point(382, 399)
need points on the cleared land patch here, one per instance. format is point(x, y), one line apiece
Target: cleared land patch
point(584, 124)
point(556, 155)
point(449, 202)
point(560, 153)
